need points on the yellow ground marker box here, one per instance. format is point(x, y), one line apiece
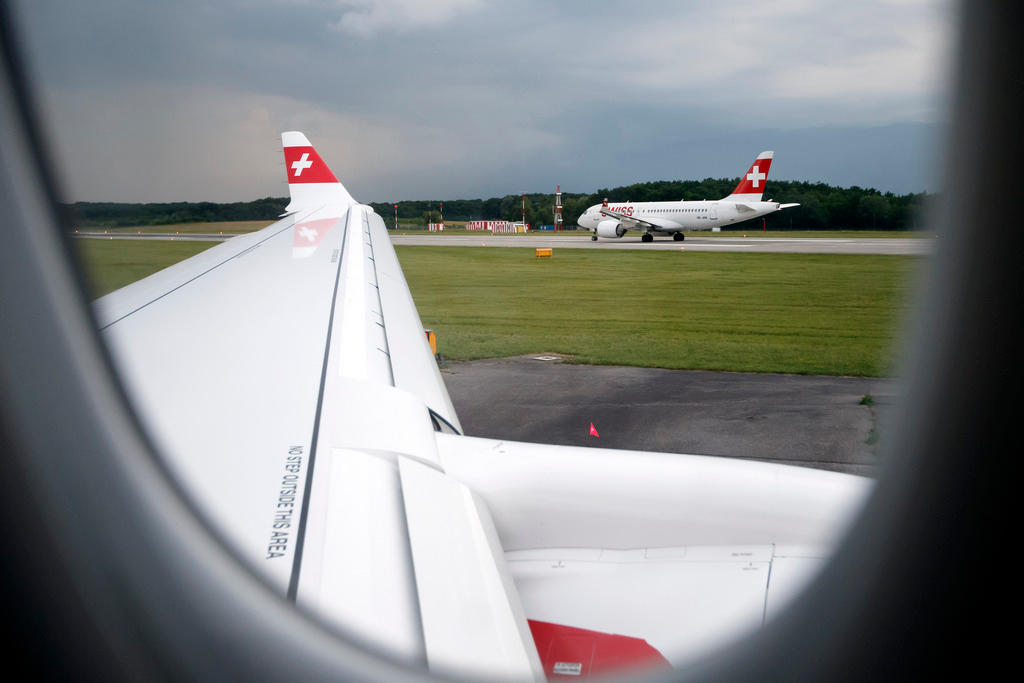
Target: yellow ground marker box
point(432, 338)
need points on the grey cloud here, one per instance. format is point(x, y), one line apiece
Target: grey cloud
point(492, 98)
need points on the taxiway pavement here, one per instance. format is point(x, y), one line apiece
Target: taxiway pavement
point(812, 421)
point(728, 243)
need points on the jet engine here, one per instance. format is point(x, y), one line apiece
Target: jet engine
point(610, 228)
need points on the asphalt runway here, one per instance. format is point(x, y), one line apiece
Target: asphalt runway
point(811, 421)
point(729, 243)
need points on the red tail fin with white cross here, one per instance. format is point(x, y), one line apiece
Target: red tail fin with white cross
point(752, 183)
point(310, 181)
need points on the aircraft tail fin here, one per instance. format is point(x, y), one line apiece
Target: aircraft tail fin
point(751, 186)
point(311, 183)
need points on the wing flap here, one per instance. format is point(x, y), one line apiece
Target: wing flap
point(472, 622)
point(356, 570)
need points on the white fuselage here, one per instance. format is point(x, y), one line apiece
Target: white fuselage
point(669, 217)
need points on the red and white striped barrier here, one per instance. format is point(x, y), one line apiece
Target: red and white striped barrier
point(491, 226)
point(509, 227)
point(435, 227)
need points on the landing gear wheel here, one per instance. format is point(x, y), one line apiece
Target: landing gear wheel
point(593, 238)
point(679, 237)
point(648, 237)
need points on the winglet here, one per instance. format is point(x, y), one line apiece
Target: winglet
point(311, 182)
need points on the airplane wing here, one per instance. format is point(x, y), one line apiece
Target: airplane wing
point(286, 380)
point(645, 224)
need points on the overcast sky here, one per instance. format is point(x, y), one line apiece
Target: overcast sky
point(172, 101)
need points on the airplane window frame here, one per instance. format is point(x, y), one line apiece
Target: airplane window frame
point(96, 526)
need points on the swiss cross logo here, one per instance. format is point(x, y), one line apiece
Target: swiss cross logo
point(755, 177)
point(754, 180)
point(304, 165)
point(308, 235)
point(311, 232)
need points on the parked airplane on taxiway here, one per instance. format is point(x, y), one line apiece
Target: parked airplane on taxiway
point(672, 218)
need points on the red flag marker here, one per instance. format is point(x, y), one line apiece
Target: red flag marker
point(593, 432)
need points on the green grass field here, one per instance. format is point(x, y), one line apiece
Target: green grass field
point(212, 228)
point(799, 313)
point(790, 313)
point(111, 264)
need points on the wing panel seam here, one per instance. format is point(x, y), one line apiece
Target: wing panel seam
point(193, 279)
point(300, 541)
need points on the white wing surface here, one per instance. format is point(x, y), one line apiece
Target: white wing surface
point(286, 378)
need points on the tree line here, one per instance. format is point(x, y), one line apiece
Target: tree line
point(822, 207)
point(116, 214)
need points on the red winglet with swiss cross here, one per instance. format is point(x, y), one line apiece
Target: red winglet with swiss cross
point(311, 182)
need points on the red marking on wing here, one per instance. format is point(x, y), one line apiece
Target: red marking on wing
point(568, 652)
point(304, 165)
point(758, 172)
